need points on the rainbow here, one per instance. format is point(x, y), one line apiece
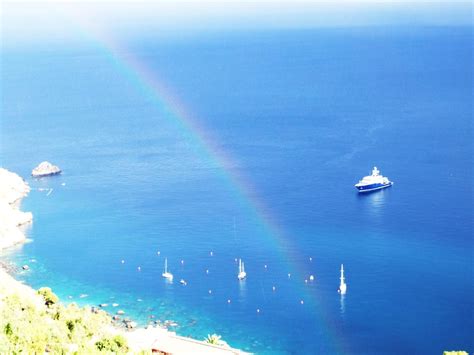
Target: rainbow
point(137, 72)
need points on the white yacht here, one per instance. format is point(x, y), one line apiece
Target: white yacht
point(166, 274)
point(242, 274)
point(373, 182)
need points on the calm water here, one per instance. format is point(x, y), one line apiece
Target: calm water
point(293, 119)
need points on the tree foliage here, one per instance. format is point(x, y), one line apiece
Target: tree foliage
point(27, 325)
point(116, 344)
point(49, 297)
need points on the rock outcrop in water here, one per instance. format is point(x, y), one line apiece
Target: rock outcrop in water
point(45, 169)
point(12, 189)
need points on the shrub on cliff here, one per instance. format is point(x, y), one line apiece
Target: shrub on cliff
point(49, 297)
point(117, 344)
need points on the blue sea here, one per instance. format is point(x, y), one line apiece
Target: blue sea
point(255, 157)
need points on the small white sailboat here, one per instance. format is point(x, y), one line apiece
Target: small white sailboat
point(342, 286)
point(242, 274)
point(166, 274)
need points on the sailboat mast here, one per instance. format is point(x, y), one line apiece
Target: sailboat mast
point(342, 274)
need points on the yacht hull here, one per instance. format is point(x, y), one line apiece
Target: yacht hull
point(373, 187)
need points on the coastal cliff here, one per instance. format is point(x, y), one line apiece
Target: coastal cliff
point(12, 189)
point(34, 322)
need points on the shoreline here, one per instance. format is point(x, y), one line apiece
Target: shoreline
point(12, 190)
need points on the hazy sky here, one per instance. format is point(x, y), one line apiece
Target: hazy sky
point(68, 20)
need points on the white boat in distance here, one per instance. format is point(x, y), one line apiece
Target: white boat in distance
point(242, 274)
point(373, 182)
point(166, 274)
point(342, 286)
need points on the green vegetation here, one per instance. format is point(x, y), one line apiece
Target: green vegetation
point(29, 326)
point(49, 297)
point(116, 344)
point(213, 339)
